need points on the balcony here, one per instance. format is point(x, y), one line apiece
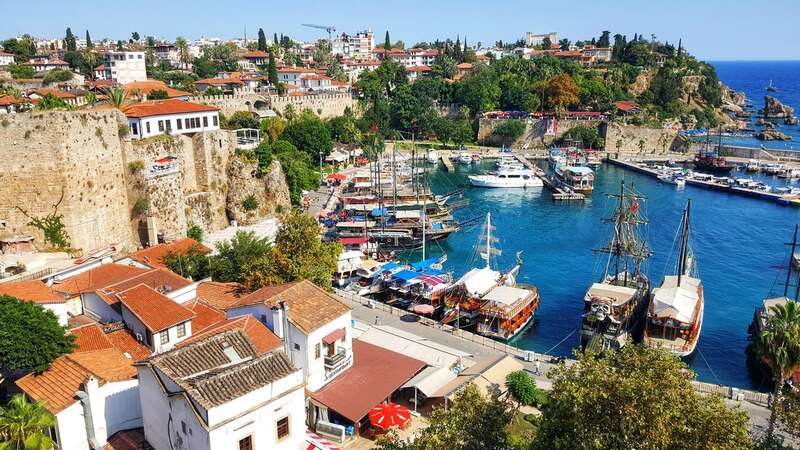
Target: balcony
point(336, 363)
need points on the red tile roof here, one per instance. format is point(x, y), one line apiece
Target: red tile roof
point(220, 295)
point(97, 278)
point(626, 106)
point(124, 341)
point(262, 338)
point(7, 100)
point(127, 440)
point(310, 306)
point(418, 69)
point(93, 337)
point(256, 54)
point(294, 70)
point(148, 86)
point(154, 310)
point(60, 94)
point(31, 290)
point(160, 280)
point(465, 66)
point(376, 373)
point(154, 256)
point(219, 81)
point(162, 107)
point(205, 315)
point(316, 77)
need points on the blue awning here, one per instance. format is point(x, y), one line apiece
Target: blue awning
point(430, 271)
point(424, 264)
point(378, 211)
point(406, 275)
point(390, 266)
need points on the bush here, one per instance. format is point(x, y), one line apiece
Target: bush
point(212, 91)
point(241, 119)
point(195, 232)
point(158, 94)
point(246, 155)
point(21, 72)
point(509, 131)
point(136, 166)
point(250, 203)
point(57, 76)
point(588, 136)
point(141, 206)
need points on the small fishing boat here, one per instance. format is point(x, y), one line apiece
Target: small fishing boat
point(771, 87)
point(433, 157)
point(675, 314)
point(576, 178)
point(507, 178)
point(465, 158)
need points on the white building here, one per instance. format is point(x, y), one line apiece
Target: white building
point(6, 58)
point(532, 40)
point(125, 66)
point(315, 326)
point(172, 116)
point(356, 46)
point(222, 393)
point(292, 75)
point(37, 292)
point(44, 63)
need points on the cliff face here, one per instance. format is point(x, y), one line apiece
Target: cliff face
point(110, 184)
point(254, 196)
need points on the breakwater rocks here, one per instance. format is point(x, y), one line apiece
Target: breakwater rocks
point(774, 109)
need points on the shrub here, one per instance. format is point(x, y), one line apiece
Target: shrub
point(57, 76)
point(509, 131)
point(250, 203)
point(21, 72)
point(195, 232)
point(123, 130)
point(141, 206)
point(136, 166)
point(158, 94)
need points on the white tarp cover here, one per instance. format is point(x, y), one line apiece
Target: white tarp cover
point(480, 281)
point(431, 379)
point(618, 294)
point(506, 295)
point(675, 302)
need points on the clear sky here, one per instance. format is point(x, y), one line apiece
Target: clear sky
point(711, 29)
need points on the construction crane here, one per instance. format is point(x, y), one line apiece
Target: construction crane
point(329, 28)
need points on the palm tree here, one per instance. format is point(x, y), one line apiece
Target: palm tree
point(641, 145)
point(779, 345)
point(183, 51)
point(23, 424)
point(117, 97)
point(618, 144)
point(91, 98)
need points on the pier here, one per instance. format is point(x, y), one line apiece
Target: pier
point(792, 200)
point(559, 193)
point(448, 161)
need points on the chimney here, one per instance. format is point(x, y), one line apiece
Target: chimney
point(277, 320)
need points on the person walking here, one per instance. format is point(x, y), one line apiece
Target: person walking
point(538, 367)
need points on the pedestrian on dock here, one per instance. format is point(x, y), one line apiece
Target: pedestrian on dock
point(376, 320)
point(538, 365)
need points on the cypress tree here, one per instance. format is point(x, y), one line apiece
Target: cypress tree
point(275, 39)
point(465, 43)
point(88, 40)
point(387, 44)
point(262, 40)
point(69, 41)
point(272, 70)
point(680, 46)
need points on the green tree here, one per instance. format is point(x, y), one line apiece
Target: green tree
point(561, 92)
point(235, 254)
point(547, 43)
point(521, 388)
point(70, 44)
point(309, 134)
point(157, 94)
point(30, 336)
point(298, 254)
point(184, 56)
point(272, 69)
point(636, 397)
point(194, 231)
point(23, 48)
point(193, 264)
point(604, 41)
point(23, 425)
point(50, 102)
point(779, 345)
point(509, 131)
point(262, 40)
point(135, 36)
point(57, 76)
point(470, 422)
point(387, 43)
point(18, 71)
point(272, 128)
point(298, 169)
point(88, 40)
point(117, 97)
point(242, 119)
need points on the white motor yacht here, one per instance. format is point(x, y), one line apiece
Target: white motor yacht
point(509, 178)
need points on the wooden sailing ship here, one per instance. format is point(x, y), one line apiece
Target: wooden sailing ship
point(613, 308)
point(675, 314)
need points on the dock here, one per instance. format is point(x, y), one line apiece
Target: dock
point(782, 199)
point(559, 194)
point(448, 161)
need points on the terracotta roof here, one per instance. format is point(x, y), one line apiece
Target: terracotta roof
point(316, 77)
point(58, 384)
point(465, 66)
point(256, 54)
point(225, 379)
point(60, 94)
point(154, 310)
point(2, 53)
point(148, 86)
point(154, 256)
point(32, 290)
point(626, 106)
point(219, 81)
point(6, 100)
point(310, 306)
point(376, 373)
point(162, 107)
point(294, 70)
point(127, 440)
point(260, 336)
point(93, 337)
point(160, 280)
point(418, 69)
point(124, 341)
point(205, 315)
point(220, 295)
point(97, 278)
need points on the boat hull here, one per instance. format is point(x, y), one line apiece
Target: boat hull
point(488, 182)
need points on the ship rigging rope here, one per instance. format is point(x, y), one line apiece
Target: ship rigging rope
point(671, 252)
point(559, 342)
point(708, 365)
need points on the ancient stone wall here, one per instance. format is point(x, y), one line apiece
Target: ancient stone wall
point(75, 154)
point(269, 190)
point(212, 153)
point(323, 105)
point(535, 131)
point(167, 204)
point(627, 138)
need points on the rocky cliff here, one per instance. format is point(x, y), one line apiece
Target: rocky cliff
point(254, 196)
point(774, 109)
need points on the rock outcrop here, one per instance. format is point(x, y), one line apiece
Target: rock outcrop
point(253, 196)
point(774, 109)
point(732, 101)
point(771, 134)
point(642, 82)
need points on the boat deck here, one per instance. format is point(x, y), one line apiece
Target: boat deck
point(559, 194)
point(674, 345)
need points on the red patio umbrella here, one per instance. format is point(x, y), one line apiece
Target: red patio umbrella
point(337, 176)
point(424, 309)
point(389, 415)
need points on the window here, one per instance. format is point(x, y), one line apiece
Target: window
point(296, 346)
point(317, 351)
point(164, 337)
point(134, 128)
point(139, 56)
point(161, 125)
point(216, 122)
point(246, 443)
point(182, 330)
point(147, 125)
point(205, 121)
point(169, 125)
point(179, 122)
point(283, 428)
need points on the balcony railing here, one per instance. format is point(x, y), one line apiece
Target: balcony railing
point(335, 364)
point(335, 360)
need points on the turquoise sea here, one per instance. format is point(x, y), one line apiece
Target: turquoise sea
point(738, 241)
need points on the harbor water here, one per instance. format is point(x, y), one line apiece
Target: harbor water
point(737, 242)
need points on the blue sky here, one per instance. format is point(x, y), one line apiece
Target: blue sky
point(711, 29)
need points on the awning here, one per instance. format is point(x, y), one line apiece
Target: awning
point(337, 176)
point(333, 336)
point(431, 380)
point(352, 240)
point(406, 275)
point(424, 264)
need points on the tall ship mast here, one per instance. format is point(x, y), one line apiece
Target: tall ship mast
point(675, 314)
point(613, 308)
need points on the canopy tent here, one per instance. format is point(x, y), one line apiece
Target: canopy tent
point(480, 281)
point(353, 240)
point(431, 380)
point(424, 309)
point(506, 295)
point(406, 275)
point(676, 302)
point(424, 264)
